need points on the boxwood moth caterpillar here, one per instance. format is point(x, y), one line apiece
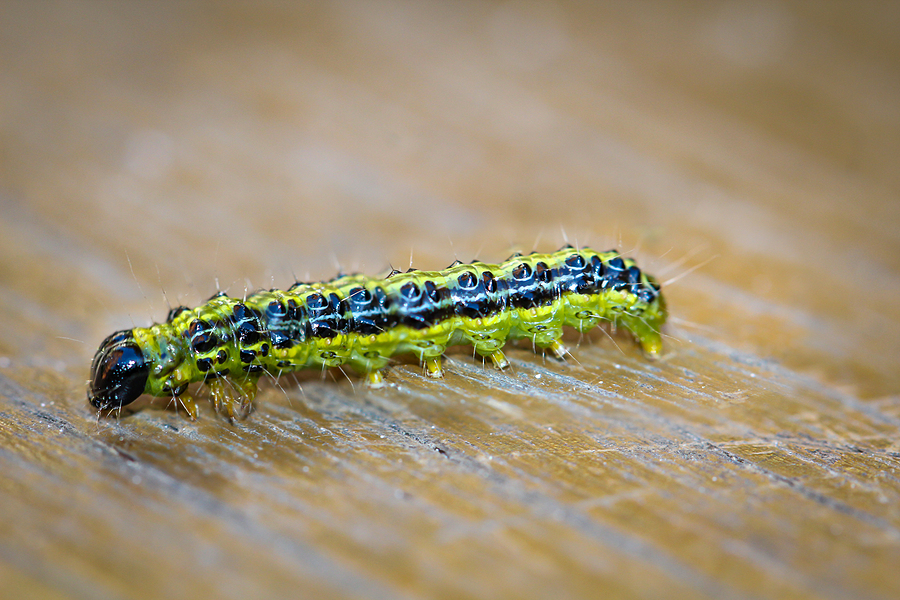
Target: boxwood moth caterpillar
point(229, 343)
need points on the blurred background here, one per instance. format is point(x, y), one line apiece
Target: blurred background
point(746, 153)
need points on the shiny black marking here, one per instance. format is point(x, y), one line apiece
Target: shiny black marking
point(441, 302)
point(414, 308)
point(410, 291)
point(246, 324)
point(281, 323)
point(575, 275)
point(467, 280)
point(523, 272)
point(633, 277)
point(387, 316)
point(364, 311)
point(174, 312)
point(275, 311)
point(529, 287)
point(490, 284)
point(576, 261)
point(598, 274)
point(286, 324)
point(327, 315)
point(646, 294)
point(470, 299)
point(615, 269)
point(202, 335)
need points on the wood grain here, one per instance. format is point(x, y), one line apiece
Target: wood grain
point(151, 154)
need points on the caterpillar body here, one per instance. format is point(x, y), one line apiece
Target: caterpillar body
point(229, 343)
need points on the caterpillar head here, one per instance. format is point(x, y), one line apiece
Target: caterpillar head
point(119, 372)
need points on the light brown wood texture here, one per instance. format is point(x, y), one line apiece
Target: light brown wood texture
point(152, 153)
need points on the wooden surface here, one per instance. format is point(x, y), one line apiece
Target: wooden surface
point(153, 152)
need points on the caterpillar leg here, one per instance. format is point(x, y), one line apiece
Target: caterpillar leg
point(433, 367)
point(186, 401)
point(558, 349)
point(374, 379)
point(499, 359)
point(233, 398)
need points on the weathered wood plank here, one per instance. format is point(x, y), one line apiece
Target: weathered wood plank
point(150, 154)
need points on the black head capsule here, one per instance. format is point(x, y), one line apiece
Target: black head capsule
point(118, 373)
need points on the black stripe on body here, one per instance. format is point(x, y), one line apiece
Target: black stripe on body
point(286, 321)
point(327, 315)
point(475, 291)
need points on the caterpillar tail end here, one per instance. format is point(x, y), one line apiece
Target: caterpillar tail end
point(651, 344)
point(647, 332)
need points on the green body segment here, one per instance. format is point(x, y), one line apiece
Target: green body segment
point(239, 340)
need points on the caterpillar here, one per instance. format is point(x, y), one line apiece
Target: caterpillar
point(229, 343)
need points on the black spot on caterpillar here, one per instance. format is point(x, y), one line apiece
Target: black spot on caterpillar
point(228, 343)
